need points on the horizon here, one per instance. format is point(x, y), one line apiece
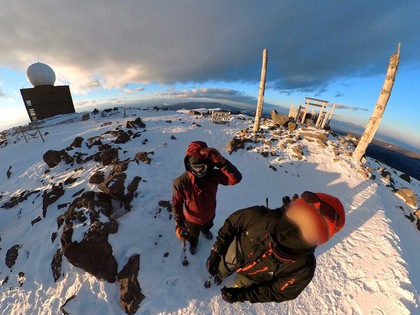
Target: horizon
point(198, 51)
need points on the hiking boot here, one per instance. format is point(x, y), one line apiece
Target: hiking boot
point(193, 249)
point(208, 235)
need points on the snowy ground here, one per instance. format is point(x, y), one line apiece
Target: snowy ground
point(371, 267)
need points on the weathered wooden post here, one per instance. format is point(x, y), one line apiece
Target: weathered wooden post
point(261, 92)
point(380, 107)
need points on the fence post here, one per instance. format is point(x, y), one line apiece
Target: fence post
point(380, 107)
point(261, 92)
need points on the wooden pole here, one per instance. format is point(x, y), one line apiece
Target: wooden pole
point(380, 107)
point(261, 91)
point(318, 121)
point(305, 111)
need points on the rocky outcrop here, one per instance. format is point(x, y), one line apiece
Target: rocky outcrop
point(137, 123)
point(94, 253)
point(109, 156)
point(130, 291)
point(236, 144)
point(280, 119)
point(51, 196)
point(77, 143)
point(17, 199)
point(52, 158)
point(97, 178)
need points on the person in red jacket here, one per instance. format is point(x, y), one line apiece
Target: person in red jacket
point(194, 192)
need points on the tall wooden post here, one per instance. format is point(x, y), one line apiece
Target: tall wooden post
point(380, 107)
point(261, 92)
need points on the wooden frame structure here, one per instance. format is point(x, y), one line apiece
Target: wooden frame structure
point(319, 119)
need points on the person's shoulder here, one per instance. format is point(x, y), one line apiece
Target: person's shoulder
point(181, 180)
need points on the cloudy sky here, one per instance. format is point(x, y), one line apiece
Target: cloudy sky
point(147, 52)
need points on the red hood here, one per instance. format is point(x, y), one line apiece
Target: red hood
point(194, 149)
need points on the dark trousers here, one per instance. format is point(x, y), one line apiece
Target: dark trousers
point(195, 229)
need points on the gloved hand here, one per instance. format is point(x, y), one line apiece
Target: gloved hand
point(213, 155)
point(182, 233)
point(232, 295)
point(213, 263)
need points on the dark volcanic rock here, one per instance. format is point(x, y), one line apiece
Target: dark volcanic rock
point(109, 156)
point(137, 123)
point(11, 255)
point(97, 178)
point(123, 137)
point(405, 177)
point(77, 142)
point(51, 196)
point(34, 221)
point(94, 253)
point(9, 172)
point(130, 291)
point(15, 200)
point(52, 158)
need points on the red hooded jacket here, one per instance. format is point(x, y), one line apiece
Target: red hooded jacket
point(198, 196)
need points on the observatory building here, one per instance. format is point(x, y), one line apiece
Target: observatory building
point(45, 100)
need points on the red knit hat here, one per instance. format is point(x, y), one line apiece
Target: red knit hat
point(326, 227)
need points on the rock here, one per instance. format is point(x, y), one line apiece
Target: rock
point(62, 307)
point(16, 199)
point(314, 135)
point(123, 137)
point(235, 144)
point(52, 158)
point(264, 153)
point(165, 204)
point(11, 255)
point(280, 119)
point(130, 291)
point(364, 174)
point(51, 196)
point(142, 157)
point(137, 123)
point(77, 193)
point(9, 173)
point(94, 253)
point(115, 186)
point(56, 264)
point(273, 168)
point(109, 156)
point(21, 278)
point(194, 112)
point(321, 143)
point(173, 137)
point(70, 180)
point(335, 160)
point(387, 175)
point(97, 178)
point(291, 126)
point(408, 196)
point(77, 142)
point(298, 150)
point(406, 177)
point(34, 221)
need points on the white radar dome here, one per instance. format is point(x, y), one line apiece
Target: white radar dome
point(40, 74)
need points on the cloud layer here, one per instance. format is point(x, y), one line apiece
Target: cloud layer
point(110, 43)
